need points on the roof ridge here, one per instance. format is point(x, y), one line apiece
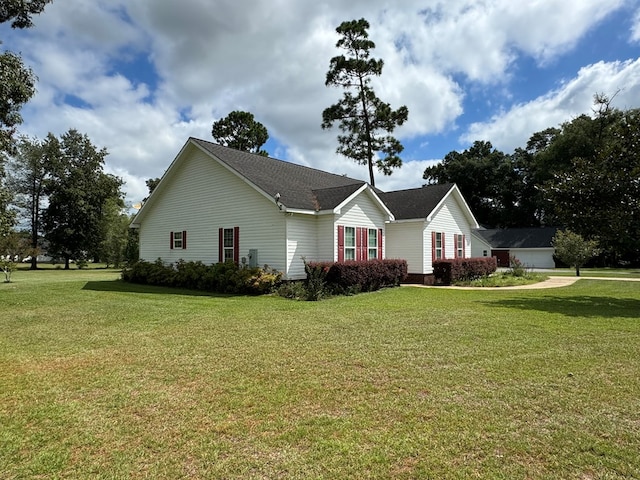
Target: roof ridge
point(236, 151)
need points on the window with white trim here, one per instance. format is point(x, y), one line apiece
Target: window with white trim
point(228, 244)
point(459, 246)
point(349, 243)
point(178, 240)
point(373, 244)
point(438, 246)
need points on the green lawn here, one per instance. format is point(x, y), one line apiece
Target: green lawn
point(104, 380)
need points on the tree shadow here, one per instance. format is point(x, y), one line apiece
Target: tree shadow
point(125, 287)
point(576, 306)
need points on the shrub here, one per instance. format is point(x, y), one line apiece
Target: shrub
point(220, 277)
point(516, 267)
point(463, 269)
point(294, 290)
point(315, 283)
point(354, 276)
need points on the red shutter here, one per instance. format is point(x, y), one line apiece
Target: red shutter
point(236, 245)
point(220, 245)
point(341, 243)
point(359, 255)
point(379, 244)
point(464, 247)
point(171, 241)
point(184, 239)
point(455, 245)
point(442, 236)
point(433, 247)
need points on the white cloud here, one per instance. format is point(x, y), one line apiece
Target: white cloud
point(635, 28)
point(271, 58)
point(512, 128)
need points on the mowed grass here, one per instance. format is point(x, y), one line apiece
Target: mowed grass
point(104, 380)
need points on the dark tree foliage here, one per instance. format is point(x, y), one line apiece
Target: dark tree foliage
point(29, 170)
point(490, 182)
point(7, 215)
point(241, 131)
point(20, 12)
point(17, 86)
point(583, 175)
point(17, 82)
point(80, 196)
point(598, 197)
point(366, 121)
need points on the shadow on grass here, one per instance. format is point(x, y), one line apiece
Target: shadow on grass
point(578, 306)
point(121, 286)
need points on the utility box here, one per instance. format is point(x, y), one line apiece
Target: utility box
point(253, 257)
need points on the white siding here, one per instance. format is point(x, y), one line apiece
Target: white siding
point(449, 219)
point(327, 238)
point(362, 211)
point(404, 241)
point(479, 246)
point(203, 197)
point(302, 243)
point(411, 240)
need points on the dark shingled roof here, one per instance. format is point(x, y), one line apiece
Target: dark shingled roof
point(299, 187)
point(415, 202)
point(518, 237)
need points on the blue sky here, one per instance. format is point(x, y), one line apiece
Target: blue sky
point(141, 77)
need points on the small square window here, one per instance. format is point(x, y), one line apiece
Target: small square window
point(177, 240)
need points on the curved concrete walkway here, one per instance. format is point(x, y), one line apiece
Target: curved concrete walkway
point(551, 282)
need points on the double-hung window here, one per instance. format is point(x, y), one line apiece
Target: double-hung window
point(372, 244)
point(438, 238)
point(228, 244)
point(349, 243)
point(178, 240)
point(459, 246)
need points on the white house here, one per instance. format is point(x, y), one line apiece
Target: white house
point(532, 246)
point(431, 223)
point(215, 204)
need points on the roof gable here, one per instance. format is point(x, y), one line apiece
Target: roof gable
point(420, 203)
point(299, 187)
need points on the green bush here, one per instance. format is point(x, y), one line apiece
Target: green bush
point(448, 271)
point(220, 277)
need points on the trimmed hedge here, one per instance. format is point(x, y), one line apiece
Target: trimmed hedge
point(356, 276)
point(220, 277)
point(463, 269)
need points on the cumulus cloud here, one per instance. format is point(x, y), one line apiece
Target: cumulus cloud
point(510, 129)
point(141, 77)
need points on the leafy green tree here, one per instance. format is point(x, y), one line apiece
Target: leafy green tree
point(599, 196)
point(79, 193)
point(241, 131)
point(13, 247)
point(17, 86)
point(366, 121)
point(28, 172)
point(20, 12)
point(7, 215)
point(114, 244)
point(572, 249)
point(17, 82)
point(132, 248)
